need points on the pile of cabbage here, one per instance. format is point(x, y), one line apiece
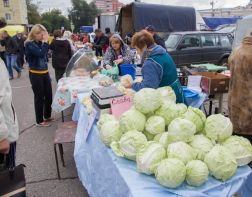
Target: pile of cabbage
point(175, 143)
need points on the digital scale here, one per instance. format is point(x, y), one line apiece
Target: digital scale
point(103, 96)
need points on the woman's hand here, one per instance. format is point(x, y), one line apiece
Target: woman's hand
point(118, 61)
point(108, 67)
point(45, 37)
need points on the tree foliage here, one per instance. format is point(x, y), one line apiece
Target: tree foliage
point(32, 13)
point(83, 13)
point(55, 20)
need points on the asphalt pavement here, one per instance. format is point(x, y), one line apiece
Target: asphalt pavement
point(35, 147)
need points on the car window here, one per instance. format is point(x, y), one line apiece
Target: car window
point(190, 41)
point(225, 41)
point(210, 40)
point(172, 41)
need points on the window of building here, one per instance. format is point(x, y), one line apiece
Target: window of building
point(6, 3)
point(8, 16)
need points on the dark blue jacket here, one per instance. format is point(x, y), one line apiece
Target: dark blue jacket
point(36, 55)
point(159, 70)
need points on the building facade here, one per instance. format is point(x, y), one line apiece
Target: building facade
point(108, 5)
point(14, 11)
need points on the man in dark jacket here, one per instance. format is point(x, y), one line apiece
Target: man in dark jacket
point(61, 54)
point(11, 49)
point(101, 43)
point(158, 40)
point(20, 53)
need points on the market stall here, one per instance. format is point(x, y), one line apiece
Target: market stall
point(102, 173)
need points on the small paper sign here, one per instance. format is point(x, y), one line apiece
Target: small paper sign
point(90, 122)
point(120, 105)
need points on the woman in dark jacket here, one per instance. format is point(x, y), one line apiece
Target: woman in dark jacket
point(158, 68)
point(36, 49)
point(61, 54)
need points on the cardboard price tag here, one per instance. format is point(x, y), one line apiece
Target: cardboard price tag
point(120, 105)
point(90, 122)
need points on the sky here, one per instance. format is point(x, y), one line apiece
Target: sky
point(198, 4)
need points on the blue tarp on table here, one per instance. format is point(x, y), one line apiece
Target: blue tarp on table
point(105, 175)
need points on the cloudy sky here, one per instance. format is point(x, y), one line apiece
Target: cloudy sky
point(198, 4)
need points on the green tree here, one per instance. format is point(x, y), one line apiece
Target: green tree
point(55, 20)
point(82, 13)
point(32, 13)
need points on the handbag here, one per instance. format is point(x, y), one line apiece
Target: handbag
point(12, 180)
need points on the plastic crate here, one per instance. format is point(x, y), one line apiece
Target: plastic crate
point(128, 69)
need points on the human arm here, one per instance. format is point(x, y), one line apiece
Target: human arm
point(152, 75)
point(108, 58)
point(128, 56)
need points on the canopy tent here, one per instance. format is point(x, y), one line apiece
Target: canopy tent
point(12, 29)
point(135, 16)
point(213, 22)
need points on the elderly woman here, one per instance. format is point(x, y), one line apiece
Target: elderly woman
point(158, 67)
point(117, 53)
point(240, 94)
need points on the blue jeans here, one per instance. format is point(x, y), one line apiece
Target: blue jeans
point(11, 61)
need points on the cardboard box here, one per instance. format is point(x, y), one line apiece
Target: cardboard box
point(213, 83)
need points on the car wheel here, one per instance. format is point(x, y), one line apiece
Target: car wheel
point(224, 61)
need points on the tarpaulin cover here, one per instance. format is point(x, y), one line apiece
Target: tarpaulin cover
point(213, 22)
point(164, 18)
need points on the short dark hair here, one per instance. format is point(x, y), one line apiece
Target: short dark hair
point(142, 38)
point(2, 22)
point(57, 33)
point(98, 31)
point(107, 30)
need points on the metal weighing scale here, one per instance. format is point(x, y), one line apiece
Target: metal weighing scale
point(103, 96)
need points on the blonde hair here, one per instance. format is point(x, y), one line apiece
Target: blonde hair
point(36, 29)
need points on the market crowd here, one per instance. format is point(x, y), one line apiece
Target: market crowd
point(158, 70)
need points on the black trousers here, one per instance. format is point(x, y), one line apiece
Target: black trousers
point(20, 59)
point(9, 160)
point(59, 72)
point(42, 89)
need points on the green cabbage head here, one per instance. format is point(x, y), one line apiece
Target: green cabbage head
point(104, 118)
point(110, 131)
point(218, 127)
point(181, 130)
point(155, 125)
point(149, 156)
point(202, 145)
point(147, 100)
point(164, 138)
point(221, 163)
point(171, 172)
point(130, 142)
point(167, 94)
point(169, 111)
point(132, 120)
point(197, 117)
point(241, 148)
point(196, 173)
point(148, 135)
point(182, 151)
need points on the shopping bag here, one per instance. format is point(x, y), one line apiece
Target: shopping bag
point(12, 180)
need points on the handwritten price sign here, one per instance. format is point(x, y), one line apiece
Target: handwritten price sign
point(90, 122)
point(120, 105)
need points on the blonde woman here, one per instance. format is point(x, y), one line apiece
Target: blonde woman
point(36, 49)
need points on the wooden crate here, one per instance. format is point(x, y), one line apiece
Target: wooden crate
point(213, 83)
